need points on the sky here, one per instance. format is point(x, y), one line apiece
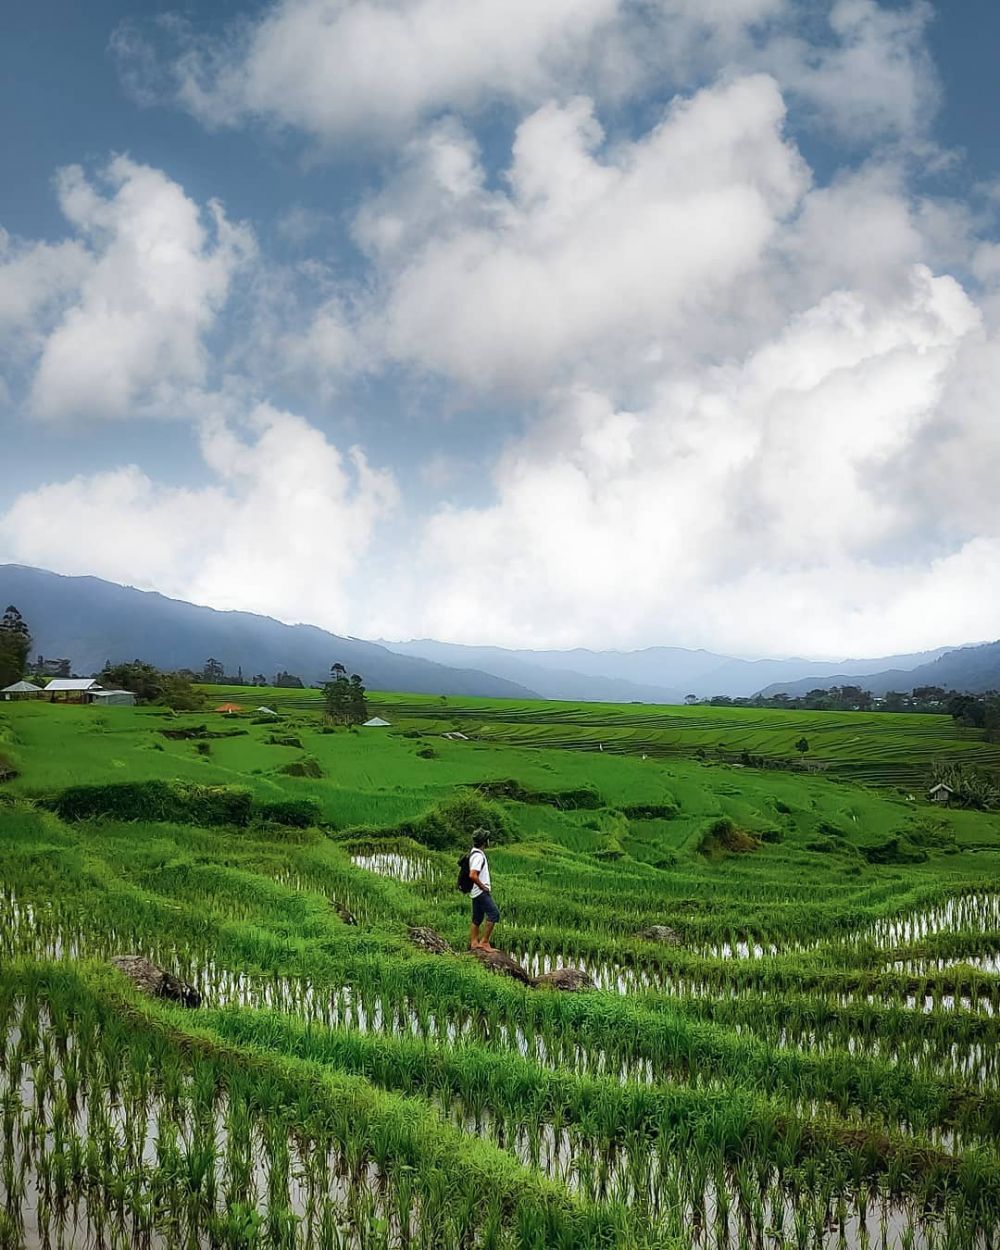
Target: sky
point(605, 323)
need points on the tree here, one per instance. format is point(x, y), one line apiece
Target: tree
point(15, 646)
point(690, 699)
point(150, 685)
point(358, 704)
point(214, 673)
point(287, 681)
point(802, 746)
point(337, 696)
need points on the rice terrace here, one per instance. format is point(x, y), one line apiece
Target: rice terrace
point(787, 1035)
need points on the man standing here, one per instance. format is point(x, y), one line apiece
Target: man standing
point(483, 906)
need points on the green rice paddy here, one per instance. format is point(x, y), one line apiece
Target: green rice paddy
point(806, 1058)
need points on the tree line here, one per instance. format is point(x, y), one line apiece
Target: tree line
point(973, 711)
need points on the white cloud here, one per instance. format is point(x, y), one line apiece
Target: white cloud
point(282, 528)
point(336, 68)
point(34, 277)
point(339, 70)
point(595, 254)
point(140, 286)
point(877, 78)
point(748, 507)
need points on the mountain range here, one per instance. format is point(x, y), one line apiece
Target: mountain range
point(90, 621)
point(652, 675)
point(972, 669)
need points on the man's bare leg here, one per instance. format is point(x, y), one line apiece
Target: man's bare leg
point(484, 945)
point(474, 941)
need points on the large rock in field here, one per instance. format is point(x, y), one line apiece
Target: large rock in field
point(570, 980)
point(429, 941)
point(500, 962)
point(155, 981)
point(661, 933)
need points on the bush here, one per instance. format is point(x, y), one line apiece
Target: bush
point(294, 813)
point(305, 767)
point(650, 811)
point(723, 837)
point(894, 851)
point(452, 823)
point(286, 740)
point(427, 753)
point(585, 798)
point(156, 801)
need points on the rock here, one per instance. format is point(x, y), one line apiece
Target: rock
point(154, 981)
point(429, 941)
point(500, 962)
point(661, 933)
point(570, 980)
point(344, 914)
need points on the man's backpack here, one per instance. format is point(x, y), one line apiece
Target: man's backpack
point(465, 882)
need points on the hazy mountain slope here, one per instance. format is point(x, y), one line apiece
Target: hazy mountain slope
point(970, 669)
point(90, 621)
point(662, 674)
point(552, 681)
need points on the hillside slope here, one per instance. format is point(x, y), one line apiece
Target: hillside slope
point(970, 669)
point(90, 621)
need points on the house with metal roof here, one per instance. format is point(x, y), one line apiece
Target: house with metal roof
point(71, 689)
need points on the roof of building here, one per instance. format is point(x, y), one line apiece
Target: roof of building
point(941, 785)
point(103, 694)
point(71, 683)
point(21, 687)
point(268, 711)
point(375, 722)
point(229, 707)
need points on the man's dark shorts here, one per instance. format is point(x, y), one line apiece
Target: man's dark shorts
point(484, 908)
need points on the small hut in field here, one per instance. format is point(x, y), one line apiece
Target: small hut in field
point(21, 690)
point(229, 708)
point(376, 722)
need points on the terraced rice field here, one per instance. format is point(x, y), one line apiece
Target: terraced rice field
point(806, 1058)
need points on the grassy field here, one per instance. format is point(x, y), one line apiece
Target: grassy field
point(808, 1060)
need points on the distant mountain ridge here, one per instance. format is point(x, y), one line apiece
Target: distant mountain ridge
point(971, 670)
point(653, 674)
point(91, 621)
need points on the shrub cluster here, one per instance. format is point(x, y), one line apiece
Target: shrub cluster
point(723, 837)
point(156, 800)
point(448, 826)
point(582, 798)
point(179, 803)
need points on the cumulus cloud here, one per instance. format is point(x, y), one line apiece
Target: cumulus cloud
point(876, 78)
point(337, 70)
point(342, 67)
point(757, 411)
point(282, 526)
point(34, 278)
point(748, 507)
point(594, 253)
point(131, 297)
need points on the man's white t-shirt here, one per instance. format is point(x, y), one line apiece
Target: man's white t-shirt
point(478, 863)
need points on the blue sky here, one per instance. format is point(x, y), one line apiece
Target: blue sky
point(605, 322)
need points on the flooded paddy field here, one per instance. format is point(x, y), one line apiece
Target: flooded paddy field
point(788, 1046)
